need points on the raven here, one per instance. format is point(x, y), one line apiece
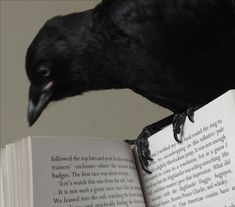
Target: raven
point(176, 53)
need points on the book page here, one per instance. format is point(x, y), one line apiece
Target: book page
point(26, 172)
point(2, 178)
point(6, 197)
point(200, 171)
point(16, 175)
point(74, 172)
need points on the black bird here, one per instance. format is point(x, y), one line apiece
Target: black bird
point(179, 54)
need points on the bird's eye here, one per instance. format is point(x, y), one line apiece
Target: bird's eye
point(44, 71)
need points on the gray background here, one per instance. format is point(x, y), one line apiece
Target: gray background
point(111, 114)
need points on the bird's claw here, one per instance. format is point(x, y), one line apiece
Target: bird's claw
point(179, 120)
point(131, 142)
point(143, 149)
point(142, 143)
point(190, 114)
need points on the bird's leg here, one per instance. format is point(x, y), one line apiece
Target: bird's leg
point(142, 141)
point(179, 120)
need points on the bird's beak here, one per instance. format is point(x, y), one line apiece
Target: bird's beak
point(38, 100)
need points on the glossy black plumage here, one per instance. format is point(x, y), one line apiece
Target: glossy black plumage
point(176, 53)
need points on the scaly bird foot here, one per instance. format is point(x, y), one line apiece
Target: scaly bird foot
point(142, 143)
point(142, 148)
point(179, 120)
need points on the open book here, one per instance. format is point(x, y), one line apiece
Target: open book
point(86, 172)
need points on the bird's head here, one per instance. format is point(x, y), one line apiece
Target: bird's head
point(54, 62)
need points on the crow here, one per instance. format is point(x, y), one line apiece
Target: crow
point(179, 54)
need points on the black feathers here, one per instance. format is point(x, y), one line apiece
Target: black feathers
point(176, 53)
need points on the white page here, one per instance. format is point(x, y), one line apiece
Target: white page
point(19, 172)
point(24, 154)
point(30, 172)
point(88, 176)
point(5, 174)
point(2, 164)
point(16, 175)
point(1, 188)
point(10, 179)
point(15, 186)
point(200, 171)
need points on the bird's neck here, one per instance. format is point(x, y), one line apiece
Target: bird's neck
point(107, 74)
point(110, 56)
point(110, 53)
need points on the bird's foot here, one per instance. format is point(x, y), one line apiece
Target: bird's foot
point(142, 148)
point(179, 120)
point(142, 141)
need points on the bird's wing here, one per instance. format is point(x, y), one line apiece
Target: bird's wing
point(139, 19)
point(149, 22)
